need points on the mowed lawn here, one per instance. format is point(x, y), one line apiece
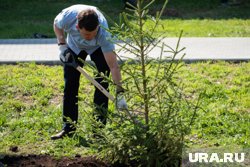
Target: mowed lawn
point(31, 104)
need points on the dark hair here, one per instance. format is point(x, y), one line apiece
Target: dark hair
point(88, 19)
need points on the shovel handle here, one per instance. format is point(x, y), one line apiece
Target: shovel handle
point(104, 91)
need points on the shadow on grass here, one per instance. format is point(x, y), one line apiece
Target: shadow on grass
point(207, 9)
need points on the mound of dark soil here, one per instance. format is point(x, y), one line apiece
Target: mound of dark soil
point(48, 161)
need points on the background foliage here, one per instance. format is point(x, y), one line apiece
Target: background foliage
point(197, 18)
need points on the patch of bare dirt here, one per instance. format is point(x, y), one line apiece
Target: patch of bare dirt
point(56, 100)
point(48, 161)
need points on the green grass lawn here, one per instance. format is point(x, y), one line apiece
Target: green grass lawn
point(31, 104)
point(196, 18)
point(31, 95)
point(206, 28)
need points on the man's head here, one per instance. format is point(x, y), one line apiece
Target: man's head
point(88, 24)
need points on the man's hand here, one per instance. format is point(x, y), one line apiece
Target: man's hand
point(120, 100)
point(65, 54)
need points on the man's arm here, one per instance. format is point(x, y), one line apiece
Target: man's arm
point(111, 60)
point(59, 35)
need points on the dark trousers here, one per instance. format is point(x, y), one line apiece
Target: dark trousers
point(71, 87)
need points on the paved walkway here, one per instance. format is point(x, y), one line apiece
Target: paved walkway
point(46, 50)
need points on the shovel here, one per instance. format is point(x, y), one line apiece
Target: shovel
point(74, 64)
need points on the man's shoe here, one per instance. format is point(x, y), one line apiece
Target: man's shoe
point(61, 135)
